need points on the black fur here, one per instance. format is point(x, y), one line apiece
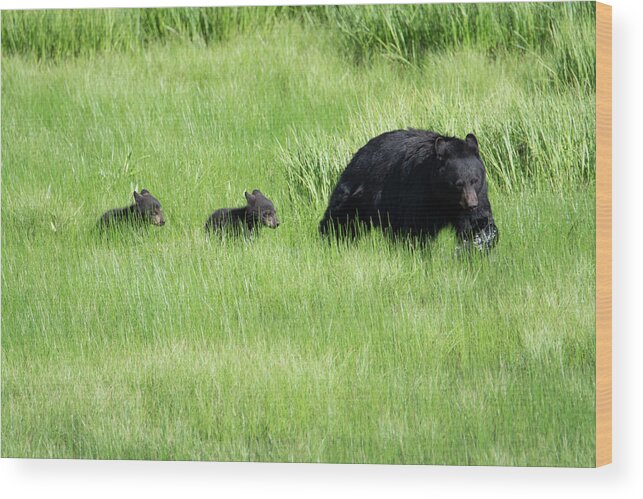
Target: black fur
point(146, 209)
point(258, 212)
point(414, 183)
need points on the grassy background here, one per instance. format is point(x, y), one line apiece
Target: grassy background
point(162, 345)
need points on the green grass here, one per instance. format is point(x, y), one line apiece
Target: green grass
point(59, 34)
point(560, 35)
point(161, 344)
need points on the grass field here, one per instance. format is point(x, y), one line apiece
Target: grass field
point(160, 344)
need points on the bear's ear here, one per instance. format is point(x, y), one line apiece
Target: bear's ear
point(145, 191)
point(257, 191)
point(137, 197)
point(250, 198)
point(440, 147)
point(472, 142)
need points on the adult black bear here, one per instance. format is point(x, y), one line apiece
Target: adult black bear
point(414, 183)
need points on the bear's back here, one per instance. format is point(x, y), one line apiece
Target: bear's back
point(391, 154)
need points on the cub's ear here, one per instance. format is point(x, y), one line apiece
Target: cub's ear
point(250, 198)
point(472, 142)
point(145, 191)
point(440, 147)
point(137, 197)
point(257, 191)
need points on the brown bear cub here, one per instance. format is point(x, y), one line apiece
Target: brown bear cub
point(258, 212)
point(146, 209)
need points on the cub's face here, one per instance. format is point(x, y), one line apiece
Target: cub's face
point(149, 207)
point(263, 209)
point(269, 217)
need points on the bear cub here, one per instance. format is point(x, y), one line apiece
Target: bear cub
point(145, 210)
point(258, 212)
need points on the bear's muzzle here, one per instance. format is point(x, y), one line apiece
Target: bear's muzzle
point(469, 199)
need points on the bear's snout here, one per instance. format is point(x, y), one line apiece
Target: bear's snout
point(272, 222)
point(469, 199)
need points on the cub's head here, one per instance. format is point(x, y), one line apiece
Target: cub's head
point(461, 174)
point(149, 207)
point(262, 209)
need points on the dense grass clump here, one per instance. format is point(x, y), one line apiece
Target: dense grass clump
point(162, 344)
point(559, 35)
point(57, 34)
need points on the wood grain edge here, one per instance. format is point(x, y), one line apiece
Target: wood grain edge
point(603, 234)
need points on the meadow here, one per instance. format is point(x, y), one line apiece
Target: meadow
point(162, 344)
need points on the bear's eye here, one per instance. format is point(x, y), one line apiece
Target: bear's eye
point(459, 183)
point(475, 181)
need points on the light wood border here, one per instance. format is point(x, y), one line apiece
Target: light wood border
point(603, 234)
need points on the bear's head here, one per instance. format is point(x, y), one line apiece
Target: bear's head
point(461, 175)
point(149, 207)
point(262, 209)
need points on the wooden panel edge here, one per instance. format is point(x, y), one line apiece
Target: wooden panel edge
point(603, 234)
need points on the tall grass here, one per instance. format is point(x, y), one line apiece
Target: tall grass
point(559, 34)
point(57, 34)
point(162, 344)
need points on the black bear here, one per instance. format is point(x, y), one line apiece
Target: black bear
point(146, 209)
point(259, 211)
point(414, 183)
